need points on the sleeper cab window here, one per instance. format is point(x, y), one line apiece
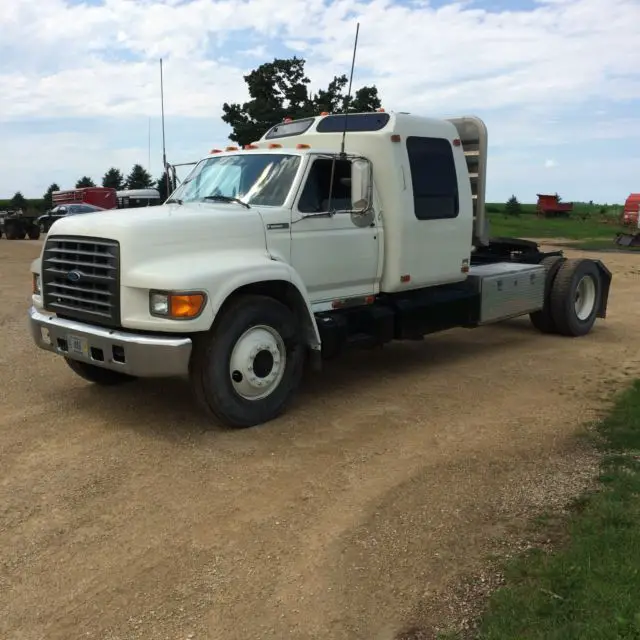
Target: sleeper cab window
point(433, 177)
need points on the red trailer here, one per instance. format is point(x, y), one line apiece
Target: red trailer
point(104, 197)
point(549, 206)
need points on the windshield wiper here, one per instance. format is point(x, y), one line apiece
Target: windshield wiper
point(173, 200)
point(221, 198)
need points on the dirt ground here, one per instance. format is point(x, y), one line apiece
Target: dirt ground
point(122, 517)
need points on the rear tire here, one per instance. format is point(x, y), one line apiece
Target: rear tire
point(247, 368)
point(11, 231)
point(34, 232)
point(98, 375)
point(543, 320)
point(575, 297)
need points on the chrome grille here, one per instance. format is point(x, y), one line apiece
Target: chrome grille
point(81, 279)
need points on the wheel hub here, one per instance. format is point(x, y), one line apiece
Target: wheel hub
point(257, 363)
point(585, 297)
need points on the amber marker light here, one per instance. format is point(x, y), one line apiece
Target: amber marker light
point(181, 305)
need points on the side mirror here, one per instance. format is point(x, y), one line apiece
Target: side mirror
point(360, 185)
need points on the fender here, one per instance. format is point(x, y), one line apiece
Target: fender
point(219, 276)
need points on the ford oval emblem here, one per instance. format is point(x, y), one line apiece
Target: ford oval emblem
point(74, 276)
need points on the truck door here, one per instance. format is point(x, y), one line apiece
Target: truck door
point(334, 250)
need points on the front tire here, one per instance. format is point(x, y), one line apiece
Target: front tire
point(575, 297)
point(247, 368)
point(98, 375)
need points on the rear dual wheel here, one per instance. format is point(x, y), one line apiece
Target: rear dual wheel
point(573, 300)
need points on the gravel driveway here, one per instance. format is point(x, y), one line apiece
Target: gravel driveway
point(390, 477)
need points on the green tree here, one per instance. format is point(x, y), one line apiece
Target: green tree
point(85, 181)
point(161, 186)
point(138, 178)
point(48, 196)
point(279, 89)
point(113, 179)
point(19, 201)
point(512, 207)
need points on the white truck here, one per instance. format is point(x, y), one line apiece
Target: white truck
point(291, 249)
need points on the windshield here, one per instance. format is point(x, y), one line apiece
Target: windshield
point(261, 179)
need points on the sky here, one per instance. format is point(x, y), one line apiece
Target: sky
point(556, 81)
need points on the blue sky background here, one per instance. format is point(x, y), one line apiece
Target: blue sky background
point(557, 81)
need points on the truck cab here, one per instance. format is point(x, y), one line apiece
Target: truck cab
point(328, 232)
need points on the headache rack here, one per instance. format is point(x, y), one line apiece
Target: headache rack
point(473, 136)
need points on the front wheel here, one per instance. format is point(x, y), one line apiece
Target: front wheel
point(246, 370)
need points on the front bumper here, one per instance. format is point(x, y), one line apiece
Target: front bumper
point(143, 356)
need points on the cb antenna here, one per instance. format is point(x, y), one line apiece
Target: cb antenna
point(164, 150)
point(348, 102)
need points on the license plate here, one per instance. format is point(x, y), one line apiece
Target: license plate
point(76, 344)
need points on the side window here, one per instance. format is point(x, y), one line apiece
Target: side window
point(434, 179)
point(315, 195)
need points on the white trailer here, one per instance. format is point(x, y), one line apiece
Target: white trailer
point(292, 249)
point(134, 198)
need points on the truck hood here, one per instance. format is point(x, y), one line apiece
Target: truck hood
point(147, 232)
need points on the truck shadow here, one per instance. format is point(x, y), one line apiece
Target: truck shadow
point(166, 407)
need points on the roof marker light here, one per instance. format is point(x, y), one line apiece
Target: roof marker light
point(324, 113)
point(215, 151)
point(302, 145)
point(456, 142)
point(395, 138)
point(231, 149)
point(287, 120)
point(251, 146)
point(275, 145)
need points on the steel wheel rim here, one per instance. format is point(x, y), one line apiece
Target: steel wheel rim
point(585, 297)
point(257, 363)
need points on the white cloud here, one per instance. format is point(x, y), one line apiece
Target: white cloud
point(535, 76)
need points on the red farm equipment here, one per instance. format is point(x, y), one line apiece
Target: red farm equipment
point(549, 206)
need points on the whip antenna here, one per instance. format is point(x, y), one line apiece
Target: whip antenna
point(348, 101)
point(164, 150)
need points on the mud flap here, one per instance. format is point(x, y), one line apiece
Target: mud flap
point(606, 278)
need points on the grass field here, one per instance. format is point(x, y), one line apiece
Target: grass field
point(588, 589)
point(530, 226)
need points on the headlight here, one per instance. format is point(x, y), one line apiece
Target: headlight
point(177, 305)
point(36, 284)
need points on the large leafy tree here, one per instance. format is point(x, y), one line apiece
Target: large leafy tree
point(139, 178)
point(48, 196)
point(85, 181)
point(113, 179)
point(279, 89)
